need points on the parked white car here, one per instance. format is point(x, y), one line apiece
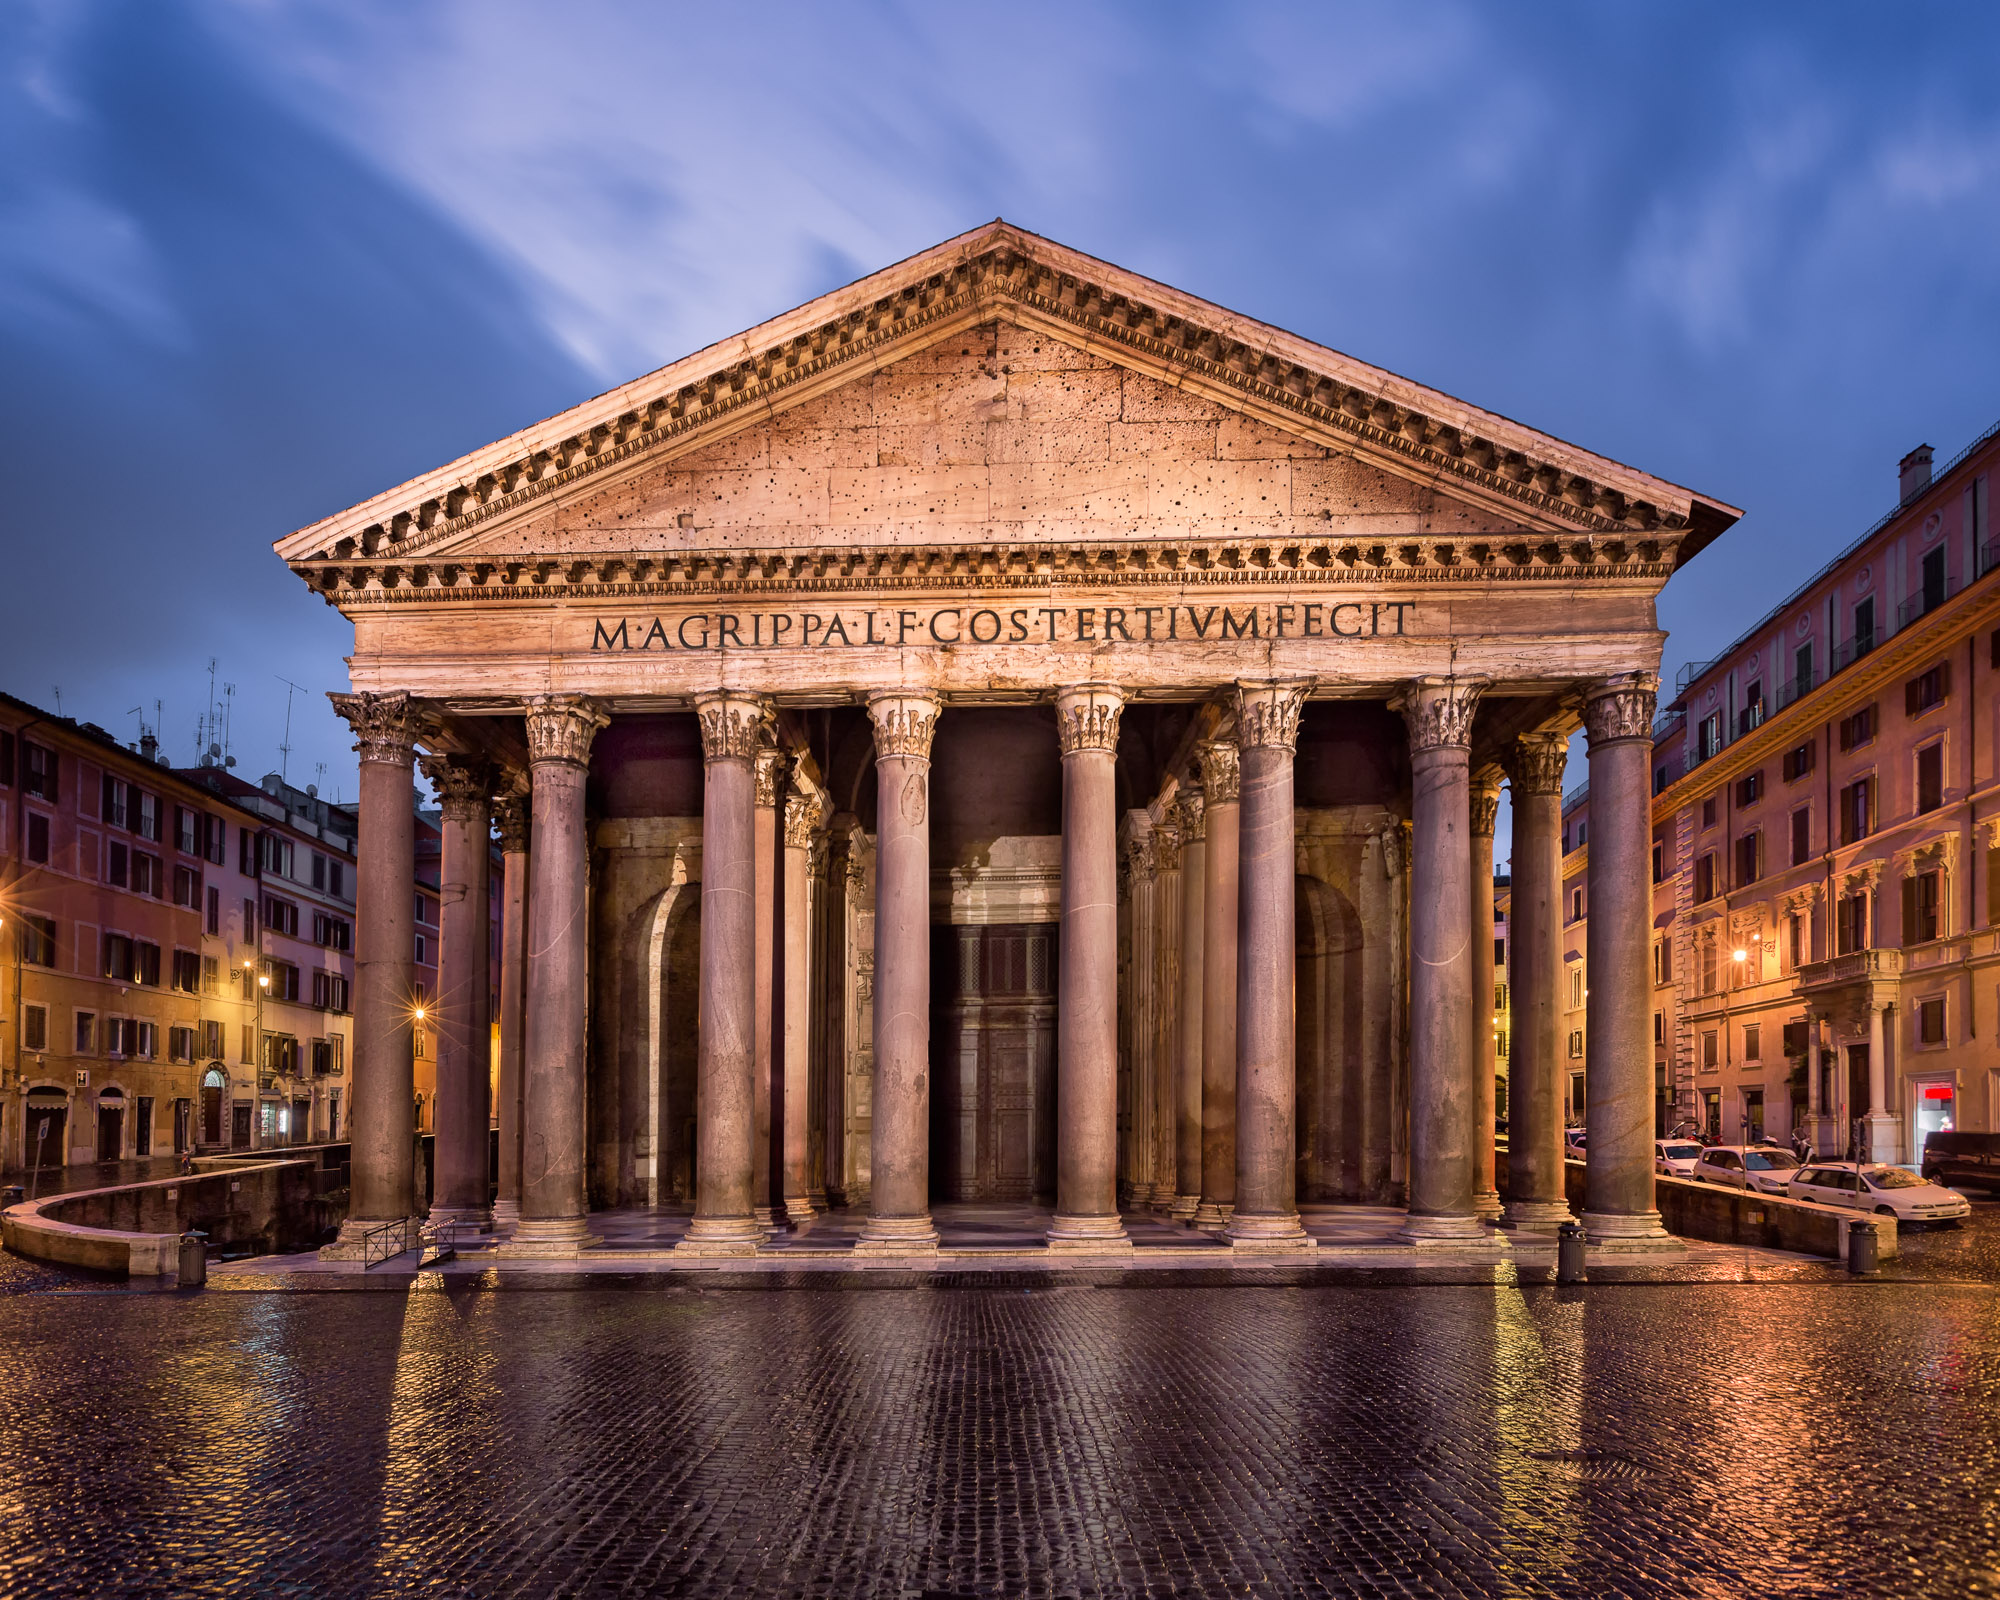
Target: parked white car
point(1762, 1167)
point(1675, 1158)
point(1573, 1143)
point(1867, 1186)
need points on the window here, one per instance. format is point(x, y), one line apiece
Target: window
point(336, 875)
point(39, 772)
point(1858, 729)
point(146, 964)
point(331, 933)
point(1921, 897)
point(246, 852)
point(118, 962)
point(1930, 1020)
point(426, 915)
point(214, 836)
point(127, 1036)
point(1801, 836)
point(1857, 810)
point(1704, 878)
point(1798, 762)
point(1864, 626)
point(423, 959)
point(249, 920)
point(187, 888)
point(6, 760)
point(1930, 777)
point(1750, 789)
point(1931, 690)
point(35, 940)
point(1749, 854)
point(187, 971)
point(1708, 812)
point(1576, 1044)
point(1659, 861)
point(1802, 669)
point(281, 1053)
point(318, 870)
point(1575, 987)
point(38, 838)
point(284, 981)
point(112, 807)
point(1709, 1054)
point(211, 975)
point(34, 1027)
point(1933, 569)
point(1850, 923)
point(329, 991)
point(1659, 1027)
point(146, 822)
point(1708, 966)
point(86, 1033)
point(1708, 736)
point(1752, 714)
point(214, 920)
point(281, 916)
point(1753, 1041)
point(1663, 961)
point(1660, 779)
point(1576, 905)
point(118, 865)
point(246, 1044)
point(211, 1040)
point(187, 831)
point(180, 1044)
point(274, 854)
point(1795, 932)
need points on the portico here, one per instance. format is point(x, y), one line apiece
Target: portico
point(1006, 730)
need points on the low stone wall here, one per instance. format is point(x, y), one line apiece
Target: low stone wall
point(1735, 1216)
point(135, 1228)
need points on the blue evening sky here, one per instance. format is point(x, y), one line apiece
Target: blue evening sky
point(262, 258)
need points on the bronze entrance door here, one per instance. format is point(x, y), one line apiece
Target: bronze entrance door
point(993, 1052)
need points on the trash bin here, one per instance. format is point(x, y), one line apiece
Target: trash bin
point(194, 1260)
point(1569, 1253)
point(1864, 1248)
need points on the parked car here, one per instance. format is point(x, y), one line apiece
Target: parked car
point(1972, 1159)
point(1675, 1157)
point(1765, 1168)
point(1573, 1143)
point(1869, 1186)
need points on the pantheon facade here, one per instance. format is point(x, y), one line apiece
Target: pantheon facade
point(1005, 731)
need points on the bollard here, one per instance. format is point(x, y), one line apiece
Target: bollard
point(1864, 1248)
point(194, 1260)
point(1569, 1253)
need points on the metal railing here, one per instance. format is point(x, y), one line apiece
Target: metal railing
point(386, 1242)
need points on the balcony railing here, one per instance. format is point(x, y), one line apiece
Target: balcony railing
point(1928, 600)
point(1797, 686)
point(1853, 967)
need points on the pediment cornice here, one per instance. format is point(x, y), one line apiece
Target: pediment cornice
point(1304, 388)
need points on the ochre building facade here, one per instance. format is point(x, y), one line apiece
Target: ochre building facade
point(1006, 731)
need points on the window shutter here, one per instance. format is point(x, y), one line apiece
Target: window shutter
point(1913, 697)
point(1943, 670)
point(1909, 911)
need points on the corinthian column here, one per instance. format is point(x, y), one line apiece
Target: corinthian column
point(1485, 811)
point(1087, 999)
point(1536, 1197)
point(1267, 732)
point(554, 1208)
point(1163, 1025)
point(459, 1191)
point(899, 1217)
point(381, 1117)
point(732, 725)
point(1219, 778)
point(510, 813)
point(767, 1093)
point(795, 1044)
point(1443, 1062)
point(1618, 1084)
point(1188, 811)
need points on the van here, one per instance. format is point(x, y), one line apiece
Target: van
point(1963, 1160)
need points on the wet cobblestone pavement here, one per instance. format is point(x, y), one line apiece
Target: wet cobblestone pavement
point(1000, 1434)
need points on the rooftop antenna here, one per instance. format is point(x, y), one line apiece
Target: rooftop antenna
point(285, 749)
point(58, 690)
point(228, 702)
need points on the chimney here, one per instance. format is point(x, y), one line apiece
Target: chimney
point(1916, 472)
point(149, 748)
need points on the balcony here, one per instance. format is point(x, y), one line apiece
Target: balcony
point(1796, 688)
point(1857, 966)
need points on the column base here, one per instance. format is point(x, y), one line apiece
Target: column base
point(466, 1219)
point(1458, 1231)
point(801, 1211)
point(506, 1214)
point(1210, 1217)
point(1268, 1234)
point(1184, 1207)
point(1487, 1203)
point(546, 1237)
point(1087, 1235)
point(1637, 1233)
point(1535, 1216)
point(717, 1236)
point(349, 1244)
point(897, 1236)
point(772, 1219)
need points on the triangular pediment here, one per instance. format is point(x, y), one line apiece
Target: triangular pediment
point(1002, 390)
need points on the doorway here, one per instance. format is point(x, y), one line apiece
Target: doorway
point(110, 1124)
point(47, 1130)
point(183, 1125)
point(993, 1061)
point(1935, 1111)
point(239, 1125)
point(212, 1085)
point(1753, 1115)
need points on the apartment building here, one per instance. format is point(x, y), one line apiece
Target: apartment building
point(1826, 853)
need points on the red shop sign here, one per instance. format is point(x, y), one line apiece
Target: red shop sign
point(1937, 1091)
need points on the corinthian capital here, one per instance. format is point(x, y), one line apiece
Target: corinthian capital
point(1166, 847)
point(386, 726)
point(1190, 814)
point(1439, 711)
point(464, 785)
point(1221, 772)
point(1535, 764)
point(732, 724)
point(1621, 707)
point(561, 726)
point(904, 721)
point(1267, 714)
point(801, 821)
point(510, 816)
point(1087, 717)
point(1485, 806)
point(770, 766)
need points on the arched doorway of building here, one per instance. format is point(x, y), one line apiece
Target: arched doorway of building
point(1339, 1106)
point(47, 1128)
point(110, 1124)
point(214, 1084)
point(677, 1049)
